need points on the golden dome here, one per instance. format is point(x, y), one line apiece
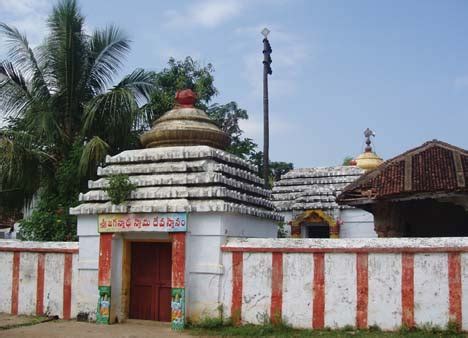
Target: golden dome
point(368, 160)
point(185, 126)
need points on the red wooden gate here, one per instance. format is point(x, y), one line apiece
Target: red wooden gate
point(150, 294)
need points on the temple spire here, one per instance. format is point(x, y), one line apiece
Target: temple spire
point(368, 160)
point(185, 125)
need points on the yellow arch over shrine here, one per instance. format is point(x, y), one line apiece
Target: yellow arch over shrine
point(315, 215)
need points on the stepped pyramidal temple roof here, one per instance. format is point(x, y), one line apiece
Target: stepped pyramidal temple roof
point(313, 188)
point(183, 169)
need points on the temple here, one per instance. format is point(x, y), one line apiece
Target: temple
point(306, 198)
point(157, 255)
point(420, 193)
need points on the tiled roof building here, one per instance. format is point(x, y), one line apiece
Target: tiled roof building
point(433, 168)
point(422, 192)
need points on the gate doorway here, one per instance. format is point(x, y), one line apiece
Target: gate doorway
point(150, 290)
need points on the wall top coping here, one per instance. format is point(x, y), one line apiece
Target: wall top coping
point(29, 246)
point(436, 244)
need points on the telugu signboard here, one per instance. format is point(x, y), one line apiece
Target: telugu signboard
point(160, 222)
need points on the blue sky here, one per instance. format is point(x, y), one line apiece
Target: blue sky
point(398, 67)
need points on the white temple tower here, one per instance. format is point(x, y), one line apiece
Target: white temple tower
point(162, 247)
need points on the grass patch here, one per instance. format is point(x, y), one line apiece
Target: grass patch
point(33, 321)
point(218, 328)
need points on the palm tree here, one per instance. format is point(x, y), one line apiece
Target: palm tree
point(59, 96)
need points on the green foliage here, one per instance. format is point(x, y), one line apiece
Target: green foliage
point(347, 160)
point(94, 153)
point(21, 163)
point(212, 327)
point(61, 93)
point(282, 233)
point(277, 169)
point(120, 188)
point(374, 328)
point(348, 328)
point(190, 74)
point(50, 221)
point(453, 327)
point(228, 116)
point(186, 74)
point(210, 323)
point(48, 225)
point(56, 96)
point(26, 321)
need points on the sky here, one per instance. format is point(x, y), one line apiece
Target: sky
point(398, 67)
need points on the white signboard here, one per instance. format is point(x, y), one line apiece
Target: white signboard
point(159, 222)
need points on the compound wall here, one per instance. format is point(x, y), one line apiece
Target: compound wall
point(313, 283)
point(38, 278)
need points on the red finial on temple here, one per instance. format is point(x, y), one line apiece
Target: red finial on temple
point(185, 98)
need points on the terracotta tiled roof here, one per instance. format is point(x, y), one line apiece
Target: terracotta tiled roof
point(434, 167)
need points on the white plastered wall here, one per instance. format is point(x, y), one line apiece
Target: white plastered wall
point(357, 223)
point(204, 261)
point(88, 265)
point(207, 232)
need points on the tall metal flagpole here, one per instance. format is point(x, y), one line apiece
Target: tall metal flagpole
point(266, 128)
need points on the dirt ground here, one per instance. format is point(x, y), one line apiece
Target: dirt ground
point(73, 329)
point(8, 320)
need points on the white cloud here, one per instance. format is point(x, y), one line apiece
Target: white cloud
point(21, 7)
point(28, 16)
point(205, 13)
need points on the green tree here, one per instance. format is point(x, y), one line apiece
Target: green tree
point(190, 74)
point(64, 113)
point(276, 170)
point(228, 116)
point(178, 75)
point(347, 161)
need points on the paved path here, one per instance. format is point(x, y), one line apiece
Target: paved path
point(73, 329)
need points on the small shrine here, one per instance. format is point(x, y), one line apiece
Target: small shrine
point(306, 197)
point(157, 256)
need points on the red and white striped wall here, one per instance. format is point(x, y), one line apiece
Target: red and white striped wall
point(38, 278)
point(360, 282)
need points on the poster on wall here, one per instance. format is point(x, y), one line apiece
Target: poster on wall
point(103, 310)
point(159, 222)
point(178, 308)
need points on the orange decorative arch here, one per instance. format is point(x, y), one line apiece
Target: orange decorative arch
point(314, 216)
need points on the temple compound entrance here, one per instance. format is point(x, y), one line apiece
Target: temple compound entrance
point(157, 256)
point(142, 257)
